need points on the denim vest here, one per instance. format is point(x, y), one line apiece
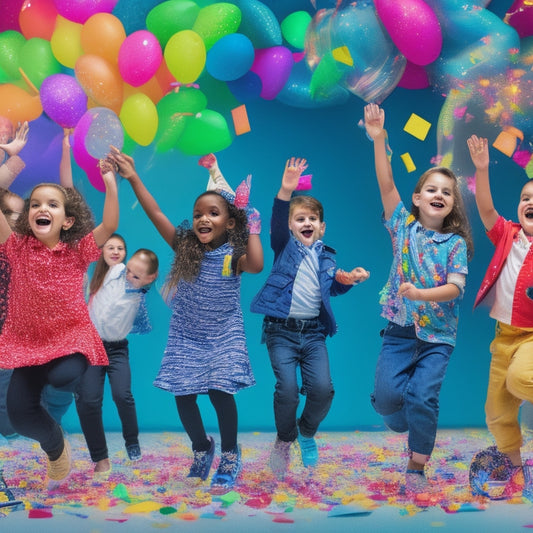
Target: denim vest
point(275, 297)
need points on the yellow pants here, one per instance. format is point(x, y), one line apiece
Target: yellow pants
point(510, 382)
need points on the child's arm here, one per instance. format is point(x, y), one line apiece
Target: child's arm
point(443, 293)
point(479, 152)
point(14, 165)
point(374, 124)
point(293, 170)
point(252, 260)
point(126, 168)
point(65, 166)
point(111, 210)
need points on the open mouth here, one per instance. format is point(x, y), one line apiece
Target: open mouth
point(204, 230)
point(529, 214)
point(42, 222)
point(439, 205)
point(307, 233)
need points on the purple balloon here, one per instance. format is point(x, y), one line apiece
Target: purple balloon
point(63, 99)
point(273, 65)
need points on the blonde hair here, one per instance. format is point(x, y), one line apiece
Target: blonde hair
point(308, 202)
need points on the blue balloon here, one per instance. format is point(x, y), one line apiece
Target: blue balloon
point(259, 23)
point(230, 58)
point(247, 88)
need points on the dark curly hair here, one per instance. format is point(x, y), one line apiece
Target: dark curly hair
point(189, 251)
point(75, 206)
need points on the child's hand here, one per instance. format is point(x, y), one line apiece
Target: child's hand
point(19, 142)
point(253, 218)
point(125, 163)
point(293, 170)
point(374, 120)
point(107, 166)
point(409, 291)
point(479, 151)
point(357, 275)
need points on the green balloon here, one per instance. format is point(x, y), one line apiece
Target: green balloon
point(168, 18)
point(216, 21)
point(4, 78)
point(37, 60)
point(293, 28)
point(11, 42)
point(325, 76)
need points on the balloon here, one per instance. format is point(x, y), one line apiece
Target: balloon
point(230, 57)
point(170, 17)
point(102, 35)
point(17, 105)
point(273, 66)
point(139, 57)
point(205, 133)
point(151, 88)
point(38, 18)
point(414, 28)
point(215, 21)
point(63, 100)
point(247, 88)
point(133, 13)
point(10, 44)
point(185, 56)
point(259, 24)
point(105, 130)
point(100, 80)
point(66, 41)
point(520, 17)
point(9, 18)
point(414, 77)
point(139, 118)
point(294, 26)
point(80, 11)
point(37, 60)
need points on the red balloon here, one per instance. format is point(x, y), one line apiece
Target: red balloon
point(9, 19)
point(37, 18)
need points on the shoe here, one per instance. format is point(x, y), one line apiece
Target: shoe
point(228, 470)
point(309, 450)
point(416, 482)
point(201, 464)
point(134, 452)
point(60, 468)
point(280, 458)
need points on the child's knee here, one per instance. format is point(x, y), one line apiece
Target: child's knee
point(386, 403)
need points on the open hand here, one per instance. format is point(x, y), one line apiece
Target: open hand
point(19, 142)
point(374, 120)
point(293, 170)
point(479, 151)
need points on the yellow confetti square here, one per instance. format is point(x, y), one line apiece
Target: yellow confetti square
point(342, 55)
point(408, 162)
point(529, 169)
point(417, 126)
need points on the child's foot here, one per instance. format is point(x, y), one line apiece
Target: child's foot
point(134, 452)
point(202, 462)
point(102, 467)
point(280, 458)
point(309, 450)
point(416, 482)
point(207, 161)
point(60, 468)
point(228, 470)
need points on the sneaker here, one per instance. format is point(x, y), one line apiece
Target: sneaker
point(60, 468)
point(134, 452)
point(309, 450)
point(280, 458)
point(228, 470)
point(201, 464)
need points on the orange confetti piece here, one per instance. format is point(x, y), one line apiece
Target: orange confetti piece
point(240, 120)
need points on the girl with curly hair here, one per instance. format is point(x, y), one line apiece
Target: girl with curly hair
point(48, 336)
point(206, 348)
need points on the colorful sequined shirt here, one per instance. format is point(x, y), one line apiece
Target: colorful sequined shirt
point(423, 258)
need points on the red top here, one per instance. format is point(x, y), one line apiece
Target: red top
point(47, 314)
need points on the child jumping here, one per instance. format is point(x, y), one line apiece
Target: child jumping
point(117, 308)
point(421, 299)
point(206, 348)
point(298, 317)
point(48, 336)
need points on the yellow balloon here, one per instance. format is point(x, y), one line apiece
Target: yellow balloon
point(185, 56)
point(66, 41)
point(139, 118)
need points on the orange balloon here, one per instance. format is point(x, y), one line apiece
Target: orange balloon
point(151, 88)
point(165, 78)
point(17, 105)
point(100, 80)
point(102, 35)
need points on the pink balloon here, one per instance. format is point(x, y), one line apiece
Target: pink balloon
point(139, 57)
point(9, 20)
point(273, 65)
point(80, 10)
point(413, 27)
point(520, 17)
point(414, 77)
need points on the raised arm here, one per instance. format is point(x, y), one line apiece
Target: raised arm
point(14, 164)
point(111, 210)
point(252, 261)
point(126, 168)
point(293, 170)
point(65, 166)
point(479, 152)
point(374, 125)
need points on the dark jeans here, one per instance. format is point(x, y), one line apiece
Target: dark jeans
point(90, 395)
point(294, 343)
point(26, 413)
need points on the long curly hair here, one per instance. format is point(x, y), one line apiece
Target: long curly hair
point(75, 206)
point(457, 221)
point(189, 251)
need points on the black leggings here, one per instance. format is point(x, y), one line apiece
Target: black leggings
point(28, 417)
point(226, 410)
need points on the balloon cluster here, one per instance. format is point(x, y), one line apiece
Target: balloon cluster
point(80, 60)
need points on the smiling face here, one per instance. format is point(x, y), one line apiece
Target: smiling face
point(525, 208)
point(211, 220)
point(435, 200)
point(46, 215)
point(114, 251)
point(305, 225)
point(137, 271)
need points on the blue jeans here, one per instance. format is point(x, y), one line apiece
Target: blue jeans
point(408, 379)
point(294, 343)
point(90, 396)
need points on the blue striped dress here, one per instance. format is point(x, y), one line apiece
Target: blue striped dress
point(206, 346)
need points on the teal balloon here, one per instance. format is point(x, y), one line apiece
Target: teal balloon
point(205, 133)
point(259, 24)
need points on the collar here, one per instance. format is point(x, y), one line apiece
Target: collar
point(435, 236)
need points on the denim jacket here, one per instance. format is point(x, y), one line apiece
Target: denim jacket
point(275, 297)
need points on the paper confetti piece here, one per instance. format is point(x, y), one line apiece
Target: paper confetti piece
point(304, 183)
point(505, 143)
point(240, 120)
point(142, 507)
point(342, 55)
point(40, 513)
point(417, 126)
point(348, 510)
point(529, 169)
point(408, 162)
